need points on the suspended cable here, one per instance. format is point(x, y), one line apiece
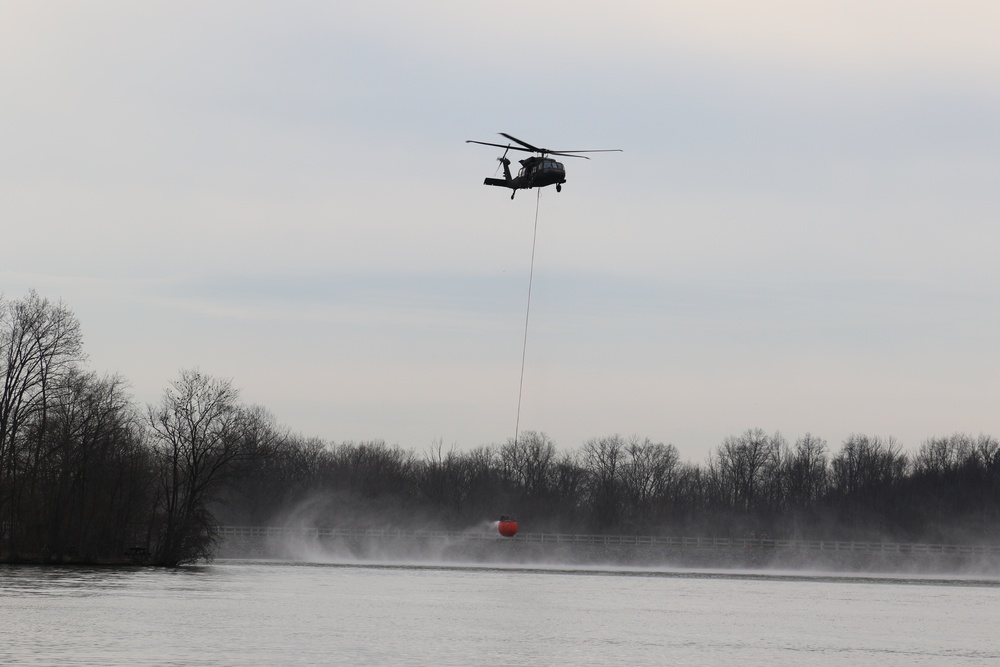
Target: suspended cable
point(527, 313)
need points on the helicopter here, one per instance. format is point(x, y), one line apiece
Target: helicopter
point(536, 171)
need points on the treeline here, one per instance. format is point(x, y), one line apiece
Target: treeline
point(753, 483)
point(86, 474)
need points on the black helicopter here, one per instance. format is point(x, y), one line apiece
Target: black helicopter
point(536, 171)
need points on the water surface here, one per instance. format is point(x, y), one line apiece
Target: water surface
point(268, 613)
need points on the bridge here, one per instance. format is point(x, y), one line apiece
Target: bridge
point(635, 541)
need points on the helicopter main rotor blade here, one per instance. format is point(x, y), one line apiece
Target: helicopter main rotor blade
point(595, 150)
point(528, 148)
point(525, 144)
point(507, 146)
point(549, 151)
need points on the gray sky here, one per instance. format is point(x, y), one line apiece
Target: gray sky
point(801, 234)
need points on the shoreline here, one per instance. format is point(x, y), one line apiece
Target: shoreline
point(522, 553)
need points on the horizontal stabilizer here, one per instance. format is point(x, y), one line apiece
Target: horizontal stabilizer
point(496, 181)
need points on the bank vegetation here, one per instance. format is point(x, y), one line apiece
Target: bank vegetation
point(88, 475)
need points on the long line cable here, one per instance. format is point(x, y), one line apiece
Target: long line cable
point(527, 313)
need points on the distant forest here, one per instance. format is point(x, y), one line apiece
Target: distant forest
point(87, 475)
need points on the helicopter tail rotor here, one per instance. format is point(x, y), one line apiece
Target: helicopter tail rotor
point(502, 160)
point(505, 165)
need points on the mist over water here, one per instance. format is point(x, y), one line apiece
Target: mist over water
point(300, 538)
point(308, 547)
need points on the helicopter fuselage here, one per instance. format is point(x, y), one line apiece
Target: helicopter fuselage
point(535, 172)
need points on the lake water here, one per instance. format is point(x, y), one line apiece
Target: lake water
point(275, 613)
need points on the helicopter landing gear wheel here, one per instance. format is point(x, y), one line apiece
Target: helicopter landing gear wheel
point(558, 187)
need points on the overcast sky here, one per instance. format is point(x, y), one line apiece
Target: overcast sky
point(801, 234)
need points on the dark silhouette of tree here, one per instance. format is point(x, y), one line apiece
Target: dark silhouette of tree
point(689, 502)
point(86, 496)
point(196, 432)
point(266, 473)
point(40, 345)
point(442, 481)
point(602, 459)
point(96, 445)
point(647, 473)
point(805, 472)
point(527, 463)
point(569, 485)
point(952, 491)
point(743, 469)
point(865, 485)
point(488, 495)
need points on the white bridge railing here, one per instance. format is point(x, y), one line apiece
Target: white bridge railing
point(605, 540)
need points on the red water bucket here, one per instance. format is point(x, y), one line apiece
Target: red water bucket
point(507, 528)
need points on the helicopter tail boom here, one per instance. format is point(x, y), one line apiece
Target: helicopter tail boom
point(497, 181)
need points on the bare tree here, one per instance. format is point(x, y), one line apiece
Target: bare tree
point(646, 475)
point(806, 472)
point(91, 488)
point(440, 478)
point(569, 482)
point(987, 453)
point(40, 343)
point(867, 465)
point(602, 459)
point(372, 469)
point(260, 479)
point(196, 438)
point(742, 465)
point(945, 456)
point(528, 461)
point(866, 481)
